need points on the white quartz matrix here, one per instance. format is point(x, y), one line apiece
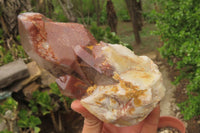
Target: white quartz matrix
point(137, 93)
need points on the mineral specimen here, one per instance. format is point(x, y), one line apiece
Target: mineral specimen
point(112, 82)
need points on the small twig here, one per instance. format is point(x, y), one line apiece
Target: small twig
point(59, 122)
point(32, 131)
point(64, 9)
point(8, 43)
point(54, 121)
point(82, 18)
point(4, 25)
point(65, 105)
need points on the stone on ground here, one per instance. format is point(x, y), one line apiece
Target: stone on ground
point(35, 73)
point(46, 78)
point(28, 90)
point(12, 72)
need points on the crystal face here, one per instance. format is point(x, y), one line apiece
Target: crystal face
point(112, 82)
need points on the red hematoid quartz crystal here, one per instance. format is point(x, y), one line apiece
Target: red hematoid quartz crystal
point(67, 50)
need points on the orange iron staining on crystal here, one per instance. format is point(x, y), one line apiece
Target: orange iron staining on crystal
point(131, 110)
point(116, 76)
point(102, 98)
point(132, 91)
point(115, 89)
point(91, 89)
point(46, 52)
point(137, 102)
point(113, 100)
point(90, 47)
point(145, 75)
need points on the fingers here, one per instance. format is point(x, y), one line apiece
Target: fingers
point(76, 106)
point(151, 122)
point(91, 123)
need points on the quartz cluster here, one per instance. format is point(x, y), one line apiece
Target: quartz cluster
point(112, 82)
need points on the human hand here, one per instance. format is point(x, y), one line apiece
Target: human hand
point(94, 125)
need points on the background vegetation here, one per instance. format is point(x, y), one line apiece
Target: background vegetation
point(179, 27)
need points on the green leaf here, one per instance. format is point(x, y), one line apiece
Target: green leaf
point(34, 109)
point(23, 114)
point(34, 121)
point(36, 129)
point(23, 121)
point(44, 100)
point(45, 111)
point(54, 89)
point(18, 37)
point(35, 94)
point(9, 104)
point(27, 120)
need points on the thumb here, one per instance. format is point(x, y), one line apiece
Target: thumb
point(91, 123)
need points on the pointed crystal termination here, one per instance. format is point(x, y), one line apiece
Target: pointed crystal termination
point(51, 44)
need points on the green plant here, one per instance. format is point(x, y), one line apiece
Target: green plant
point(121, 10)
point(97, 32)
point(123, 15)
point(6, 56)
point(27, 120)
point(8, 111)
point(103, 16)
point(9, 55)
point(64, 99)
point(5, 131)
point(150, 17)
point(179, 28)
point(106, 35)
point(9, 104)
point(86, 7)
point(88, 20)
point(41, 102)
